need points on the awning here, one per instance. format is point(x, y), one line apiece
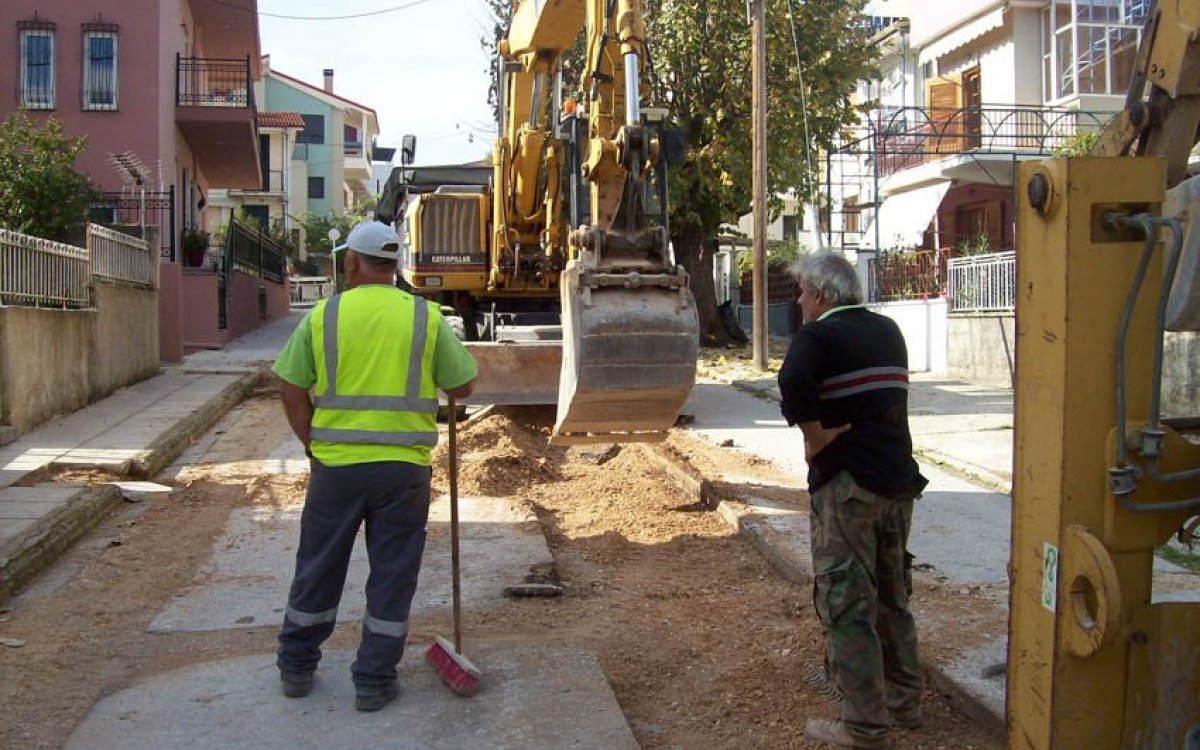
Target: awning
point(904, 217)
point(952, 40)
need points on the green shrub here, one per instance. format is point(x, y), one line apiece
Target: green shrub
point(41, 194)
point(780, 256)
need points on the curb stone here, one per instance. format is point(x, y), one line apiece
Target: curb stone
point(31, 551)
point(167, 447)
point(39, 546)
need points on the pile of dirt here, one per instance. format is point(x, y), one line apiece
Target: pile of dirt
point(703, 644)
point(501, 456)
point(73, 475)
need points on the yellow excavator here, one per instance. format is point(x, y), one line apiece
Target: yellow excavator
point(1100, 658)
point(556, 256)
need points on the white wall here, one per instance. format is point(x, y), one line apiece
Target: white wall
point(1027, 47)
point(995, 55)
point(930, 19)
point(923, 323)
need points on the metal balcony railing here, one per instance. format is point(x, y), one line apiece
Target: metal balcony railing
point(353, 148)
point(906, 137)
point(210, 82)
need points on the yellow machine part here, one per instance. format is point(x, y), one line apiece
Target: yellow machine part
point(512, 373)
point(629, 361)
point(447, 233)
point(1093, 663)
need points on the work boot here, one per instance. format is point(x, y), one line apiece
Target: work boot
point(375, 697)
point(296, 684)
point(907, 722)
point(834, 732)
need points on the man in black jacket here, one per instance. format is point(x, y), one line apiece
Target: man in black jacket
point(845, 383)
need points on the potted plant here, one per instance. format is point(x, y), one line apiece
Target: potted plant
point(195, 245)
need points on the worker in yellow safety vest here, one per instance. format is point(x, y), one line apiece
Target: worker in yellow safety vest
point(360, 376)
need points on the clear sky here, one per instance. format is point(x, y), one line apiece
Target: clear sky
point(421, 68)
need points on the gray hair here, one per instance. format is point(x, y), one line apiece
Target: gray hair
point(832, 276)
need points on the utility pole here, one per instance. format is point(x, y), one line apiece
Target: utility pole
point(758, 29)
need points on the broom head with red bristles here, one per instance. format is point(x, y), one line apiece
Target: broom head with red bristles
point(456, 670)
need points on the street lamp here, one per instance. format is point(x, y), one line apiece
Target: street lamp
point(333, 236)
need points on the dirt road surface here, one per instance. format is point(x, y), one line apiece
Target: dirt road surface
point(703, 644)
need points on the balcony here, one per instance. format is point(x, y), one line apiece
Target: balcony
point(270, 190)
point(215, 111)
point(357, 165)
point(908, 137)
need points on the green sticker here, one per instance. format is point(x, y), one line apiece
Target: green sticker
point(1049, 576)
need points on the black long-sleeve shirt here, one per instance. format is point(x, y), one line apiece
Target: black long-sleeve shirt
point(852, 368)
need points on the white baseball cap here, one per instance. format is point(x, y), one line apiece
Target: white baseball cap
point(372, 238)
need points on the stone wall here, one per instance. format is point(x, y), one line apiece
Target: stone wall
point(982, 348)
point(56, 361)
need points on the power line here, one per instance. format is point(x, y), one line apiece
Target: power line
point(349, 16)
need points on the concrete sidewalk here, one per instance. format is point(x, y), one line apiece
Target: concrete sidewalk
point(133, 433)
point(963, 439)
point(962, 436)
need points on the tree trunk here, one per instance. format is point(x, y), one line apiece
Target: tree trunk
point(694, 251)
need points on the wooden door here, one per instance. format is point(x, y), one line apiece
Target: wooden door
point(972, 94)
point(944, 102)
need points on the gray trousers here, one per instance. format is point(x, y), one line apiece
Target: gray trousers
point(392, 498)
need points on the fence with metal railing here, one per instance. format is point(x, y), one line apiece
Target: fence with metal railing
point(306, 291)
point(148, 213)
point(983, 283)
point(255, 253)
point(211, 82)
point(899, 275)
point(40, 273)
point(121, 257)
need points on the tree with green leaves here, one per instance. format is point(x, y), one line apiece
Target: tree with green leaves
point(41, 194)
point(316, 228)
point(700, 70)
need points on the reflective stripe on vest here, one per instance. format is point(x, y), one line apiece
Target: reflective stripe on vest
point(330, 401)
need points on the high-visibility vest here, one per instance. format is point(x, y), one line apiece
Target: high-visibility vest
point(375, 398)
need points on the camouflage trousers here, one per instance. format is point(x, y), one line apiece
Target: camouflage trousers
point(862, 581)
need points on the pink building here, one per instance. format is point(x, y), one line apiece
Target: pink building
point(164, 90)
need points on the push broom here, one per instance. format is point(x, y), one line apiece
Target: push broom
point(447, 658)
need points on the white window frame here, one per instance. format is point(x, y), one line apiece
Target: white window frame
point(86, 93)
point(26, 85)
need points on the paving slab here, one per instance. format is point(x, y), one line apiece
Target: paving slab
point(533, 696)
point(134, 430)
point(246, 582)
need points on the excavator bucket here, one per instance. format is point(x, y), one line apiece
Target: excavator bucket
point(629, 362)
point(512, 373)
